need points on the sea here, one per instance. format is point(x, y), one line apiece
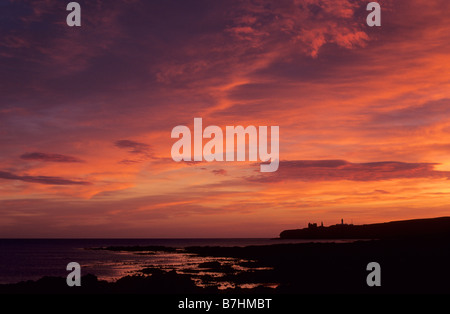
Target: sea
point(32, 259)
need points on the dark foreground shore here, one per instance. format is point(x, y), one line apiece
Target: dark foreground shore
point(415, 265)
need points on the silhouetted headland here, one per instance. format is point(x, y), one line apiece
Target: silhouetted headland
point(431, 227)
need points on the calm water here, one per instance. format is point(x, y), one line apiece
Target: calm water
point(31, 259)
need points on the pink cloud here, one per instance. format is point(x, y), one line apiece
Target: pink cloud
point(335, 170)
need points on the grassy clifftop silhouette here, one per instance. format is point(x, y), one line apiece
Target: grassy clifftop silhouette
point(430, 227)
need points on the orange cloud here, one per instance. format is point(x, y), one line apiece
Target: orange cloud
point(86, 115)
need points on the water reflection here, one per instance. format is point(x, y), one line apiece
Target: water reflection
point(219, 272)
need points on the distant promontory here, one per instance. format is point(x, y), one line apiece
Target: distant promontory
point(429, 227)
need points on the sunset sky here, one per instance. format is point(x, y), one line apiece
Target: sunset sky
point(86, 115)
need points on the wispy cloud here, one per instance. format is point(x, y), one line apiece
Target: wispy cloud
point(50, 157)
point(141, 150)
point(41, 179)
point(222, 172)
point(132, 146)
point(334, 170)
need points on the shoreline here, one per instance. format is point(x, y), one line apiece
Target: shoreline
point(414, 265)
